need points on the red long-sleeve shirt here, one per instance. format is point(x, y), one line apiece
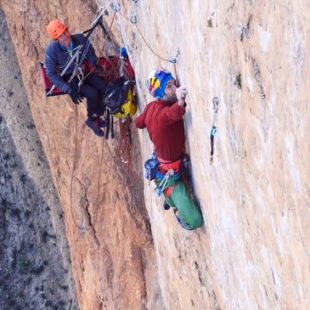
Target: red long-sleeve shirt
point(164, 123)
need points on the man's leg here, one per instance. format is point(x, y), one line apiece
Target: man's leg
point(92, 96)
point(93, 121)
point(178, 196)
point(97, 83)
point(188, 212)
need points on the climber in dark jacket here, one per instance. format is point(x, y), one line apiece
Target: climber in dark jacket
point(163, 119)
point(57, 56)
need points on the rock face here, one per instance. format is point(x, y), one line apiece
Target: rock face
point(254, 249)
point(35, 270)
point(103, 207)
point(32, 274)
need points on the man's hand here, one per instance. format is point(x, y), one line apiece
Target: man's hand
point(75, 97)
point(181, 93)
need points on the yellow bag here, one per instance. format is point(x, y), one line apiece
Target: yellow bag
point(129, 107)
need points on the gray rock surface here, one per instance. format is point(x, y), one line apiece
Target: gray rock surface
point(35, 268)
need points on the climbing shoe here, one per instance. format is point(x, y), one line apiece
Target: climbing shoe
point(101, 122)
point(94, 125)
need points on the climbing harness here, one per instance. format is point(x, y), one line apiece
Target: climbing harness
point(215, 102)
point(156, 168)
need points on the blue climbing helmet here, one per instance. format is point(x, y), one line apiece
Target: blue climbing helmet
point(157, 83)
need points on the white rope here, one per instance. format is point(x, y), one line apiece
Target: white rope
point(115, 7)
point(125, 38)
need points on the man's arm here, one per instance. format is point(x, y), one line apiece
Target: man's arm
point(172, 113)
point(176, 111)
point(181, 93)
point(51, 69)
point(140, 120)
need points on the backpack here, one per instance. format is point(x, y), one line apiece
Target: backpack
point(120, 98)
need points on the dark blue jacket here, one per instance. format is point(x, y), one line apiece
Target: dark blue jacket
point(57, 57)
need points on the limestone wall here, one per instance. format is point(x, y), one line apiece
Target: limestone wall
point(254, 249)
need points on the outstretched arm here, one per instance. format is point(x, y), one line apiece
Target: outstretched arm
point(176, 111)
point(181, 93)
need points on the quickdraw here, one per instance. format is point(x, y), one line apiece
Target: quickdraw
point(215, 102)
point(161, 186)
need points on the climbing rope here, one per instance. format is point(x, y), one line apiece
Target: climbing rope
point(83, 227)
point(116, 7)
point(171, 60)
point(123, 37)
point(215, 102)
point(80, 227)
point(99, 179)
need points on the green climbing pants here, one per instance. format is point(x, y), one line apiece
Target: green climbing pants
point(178, 195)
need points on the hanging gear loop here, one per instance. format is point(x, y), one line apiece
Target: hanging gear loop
point(215, 102)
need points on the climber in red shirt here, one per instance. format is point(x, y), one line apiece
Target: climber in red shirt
point(163, 120)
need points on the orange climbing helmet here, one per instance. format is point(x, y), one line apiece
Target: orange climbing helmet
point(56, 28)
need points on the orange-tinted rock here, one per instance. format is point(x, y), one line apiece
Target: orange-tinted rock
point(254, 250)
